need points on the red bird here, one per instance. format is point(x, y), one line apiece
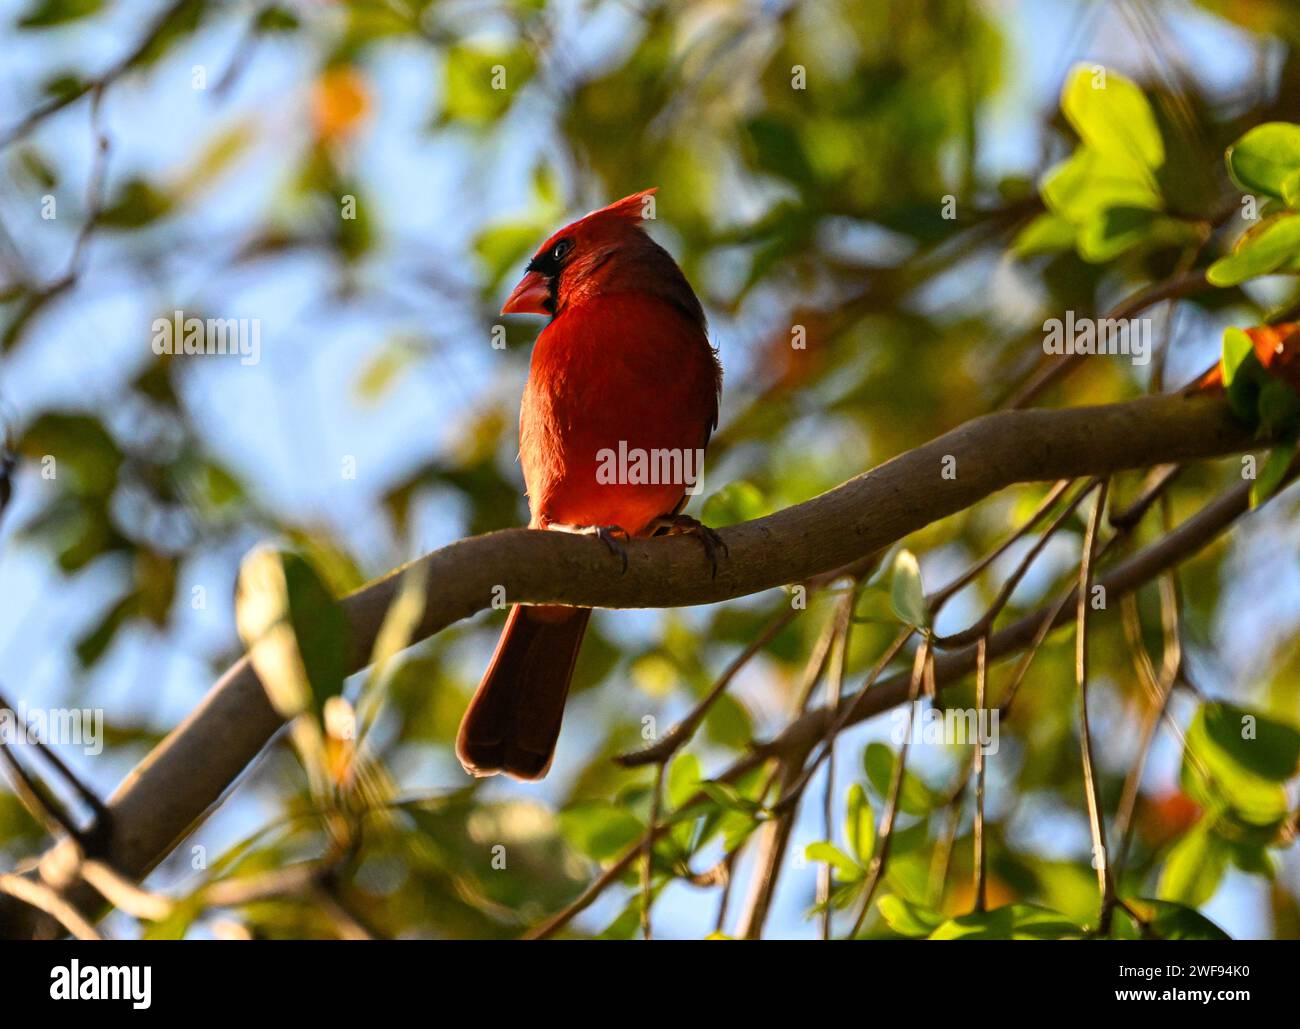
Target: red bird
point(623, 367)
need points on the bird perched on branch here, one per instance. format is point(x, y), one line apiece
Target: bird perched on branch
point(624, 367)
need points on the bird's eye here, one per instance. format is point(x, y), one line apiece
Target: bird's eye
point(561, 248)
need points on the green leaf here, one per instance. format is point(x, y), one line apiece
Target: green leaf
point(1243, 375)
point(1237, 349)
point(1086, 185)
point(1291, 190)
point(1271, 475)
point(1265, 158)
point(137, 203)
point(78, 443)
point(1253, 859)
point(906, 592)
point(92, 645)
point(736, 502)
point(184, 913)
point(683, 780)
point(385, 368)
point(1279, 407)
point(1194, 867)
point(826, 852)
point(276, 19)
point(736, 827)
point(293, 629)
point(480, 84)
point(600, 829)
point(860, 824)
point(908, 919)
point(1114, 231)
point(625, 926)
point(1273, 247)
point(1111, 116)
point(1012, 922)
point(44, 13)
point(779, 150)
point(728, 723)
point(916, 798)
point(1240, 757)
point(728, 797)
point(1046, 234)
point(1171, 921)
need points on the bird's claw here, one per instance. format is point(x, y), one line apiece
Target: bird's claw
point(613, 537)
point(685, 525)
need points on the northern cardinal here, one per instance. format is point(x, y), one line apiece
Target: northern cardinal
point(625, 362)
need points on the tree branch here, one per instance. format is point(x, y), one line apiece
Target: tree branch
point(163, 798)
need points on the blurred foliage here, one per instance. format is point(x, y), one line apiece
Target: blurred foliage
point(826, 182)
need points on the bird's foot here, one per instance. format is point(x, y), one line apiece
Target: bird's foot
point(613, 536)
point(685, 525)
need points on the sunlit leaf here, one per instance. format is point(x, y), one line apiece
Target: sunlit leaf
point(293, 628)
point(828, 853)
point(1265, 158)
point(1112, 116)
point(1047, 233)
point(1194, 867)
point(906, 918)
point(907, 593)
point(860, 824)
point(684, 778)
point(1275, 246)
point(480, 84)
point(1170, 921)
point(1241, 758)
point(600, 829)
point(736, 502)
point(1012, 922)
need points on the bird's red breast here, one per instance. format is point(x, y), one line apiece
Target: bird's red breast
point(623, 384)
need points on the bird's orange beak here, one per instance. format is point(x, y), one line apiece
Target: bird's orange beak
point(529, 297)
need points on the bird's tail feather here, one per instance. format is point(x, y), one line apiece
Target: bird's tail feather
point(513, 720)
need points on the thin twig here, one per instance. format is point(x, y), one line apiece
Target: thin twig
point(985, 622)
point(981, 681)
point(124, 894)
point(43, 898)
point(647, 869)
point(1095, 819)
point(100, 82)
point(1048, 374)
point(834, 689)
point(680, 734)
point(886, 833)
point(939, 598)
point(842, 715)
point(942, 862)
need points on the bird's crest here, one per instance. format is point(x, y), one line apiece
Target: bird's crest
point(635, 208)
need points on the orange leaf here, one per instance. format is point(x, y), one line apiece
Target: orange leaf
point(340, 102)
